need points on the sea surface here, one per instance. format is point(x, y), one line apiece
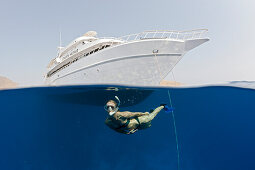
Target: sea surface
point(62, 128)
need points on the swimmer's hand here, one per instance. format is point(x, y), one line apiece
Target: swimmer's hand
point(132, 131)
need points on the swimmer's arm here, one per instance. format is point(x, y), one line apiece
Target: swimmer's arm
point(128, 114)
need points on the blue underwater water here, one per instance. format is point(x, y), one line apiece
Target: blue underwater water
point(62, 128)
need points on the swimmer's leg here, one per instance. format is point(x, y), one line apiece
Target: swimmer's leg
point(144, 121)
point(149, 117)
point(133, 124)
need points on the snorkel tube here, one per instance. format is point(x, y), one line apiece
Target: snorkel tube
point(116, 97)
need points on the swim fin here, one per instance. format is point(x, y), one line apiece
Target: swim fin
point(167, 108)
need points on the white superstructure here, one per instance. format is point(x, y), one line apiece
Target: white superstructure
point(142, 59)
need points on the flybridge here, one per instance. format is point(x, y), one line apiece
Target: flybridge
point(75, 43)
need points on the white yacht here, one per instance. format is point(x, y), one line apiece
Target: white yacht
point(142, 59)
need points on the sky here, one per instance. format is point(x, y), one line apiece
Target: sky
point(29, 34)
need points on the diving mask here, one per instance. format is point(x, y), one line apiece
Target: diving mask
point(111, 109)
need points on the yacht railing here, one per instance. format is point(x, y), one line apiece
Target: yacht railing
point(165, 34)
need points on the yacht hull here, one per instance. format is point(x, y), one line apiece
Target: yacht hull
point(142, 63)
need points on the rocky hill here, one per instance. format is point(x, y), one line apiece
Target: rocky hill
point(6, 83)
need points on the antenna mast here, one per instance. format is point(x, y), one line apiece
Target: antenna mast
point(60, 38)
point(60, 42)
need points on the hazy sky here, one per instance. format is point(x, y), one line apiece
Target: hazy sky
point(29, 33)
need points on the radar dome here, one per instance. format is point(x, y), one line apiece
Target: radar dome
point(90, 34)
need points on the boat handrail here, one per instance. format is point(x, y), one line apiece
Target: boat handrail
point(165, 34)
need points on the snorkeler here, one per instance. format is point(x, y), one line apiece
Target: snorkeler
point(128, 122)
